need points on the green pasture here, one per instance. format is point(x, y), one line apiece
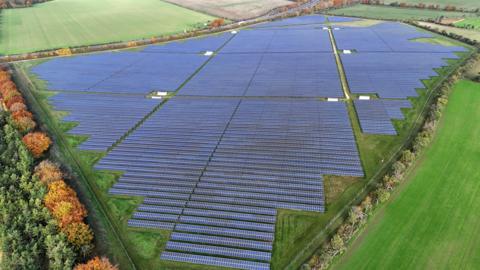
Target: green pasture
point(66, 23)
point(432, 221)
point(472, 23)
point(393, 13)
point(467, 4)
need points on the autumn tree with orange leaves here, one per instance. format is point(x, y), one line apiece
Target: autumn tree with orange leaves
point(217, 23)
point(25, 124)
point(79, 234)
point(48, 172)
point(63, 203)
point(96, 264)
point(69, 211)
point(58, 191)
point(37, 143)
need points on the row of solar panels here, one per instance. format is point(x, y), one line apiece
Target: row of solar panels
point(388, 37)
point(102, 117)
point(391, 75)
point(375, 115)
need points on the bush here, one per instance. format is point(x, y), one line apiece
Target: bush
point(25, 124)
point(9, 94)
point(16, 107)
point(96, 264)
point(337, 243)
point(7, 86)
point(48, 172)
point(69, 211)
point(217, 23)
point(79, 234)
point(37, 143)
point(13, 100)
point(58, 191)
point(398, 169)
point(382, 195)
point(22, 114)
point(407, 157)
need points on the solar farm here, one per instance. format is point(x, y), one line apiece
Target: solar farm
point(249, 123)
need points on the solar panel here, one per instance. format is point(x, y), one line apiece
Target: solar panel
point(221, 251)
point(221, 241)
point(224, 262)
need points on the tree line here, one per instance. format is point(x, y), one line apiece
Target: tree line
point(42, 221)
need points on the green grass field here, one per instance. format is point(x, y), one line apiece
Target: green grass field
point(392, 13)
point(468, 4)
point(432, 221)
point(64, 23)
point(469, 22)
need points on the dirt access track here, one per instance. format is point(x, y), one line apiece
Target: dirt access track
point(232, 9)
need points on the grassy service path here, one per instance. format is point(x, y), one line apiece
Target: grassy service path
point(433, 222)
point(63, 23)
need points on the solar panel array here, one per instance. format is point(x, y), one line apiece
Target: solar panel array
point(194, 45)
point(215, 170)
point(296, 75)
point(102, 117)
point(303, 20)
point(375, 115)
point(391, 75)
point(224, 75)
point(339, 19)
point(245, 135)
point(388, 37)
point(166, 155)
point(125, 72)
point(285, 74)
point(279, 40)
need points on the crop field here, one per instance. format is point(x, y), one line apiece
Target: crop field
point(234, 10)
point(467, 4)
point(66, 23)
point(244, 156)
point(393, 13)
point(469, 23)
point(437, 210)
point(468, 33)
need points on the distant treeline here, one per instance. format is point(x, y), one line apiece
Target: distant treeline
point(19, 3)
